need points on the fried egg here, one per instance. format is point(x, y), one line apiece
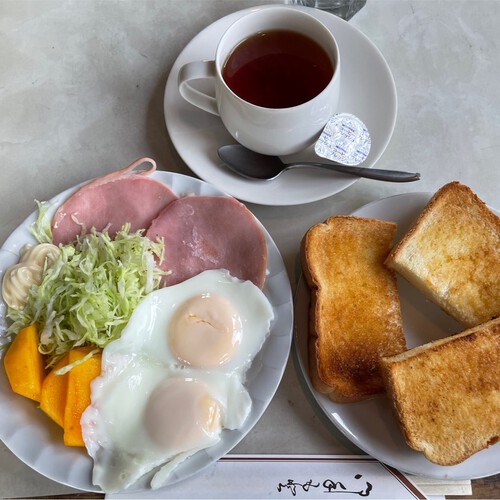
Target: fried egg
point(175, 378)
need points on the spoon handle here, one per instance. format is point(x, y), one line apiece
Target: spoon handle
point(369, 173)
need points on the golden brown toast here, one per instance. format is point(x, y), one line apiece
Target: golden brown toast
point(452, 255)
point(446, 394)
point(355, 314)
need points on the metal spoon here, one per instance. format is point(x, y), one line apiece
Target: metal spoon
point(253, 165)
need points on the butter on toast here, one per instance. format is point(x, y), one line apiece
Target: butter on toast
point(446, 394)
point(355, 313)
point(452, 255)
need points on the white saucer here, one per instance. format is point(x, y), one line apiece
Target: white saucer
point(370, 424)
point(368, 91)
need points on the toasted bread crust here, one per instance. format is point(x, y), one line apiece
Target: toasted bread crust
point(355, 314)
point(446, 394)
point(452, 255)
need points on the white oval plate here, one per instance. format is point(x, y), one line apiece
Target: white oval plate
point(370, 425)
point(38, 442)
point(367, 91)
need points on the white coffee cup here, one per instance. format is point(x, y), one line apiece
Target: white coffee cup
point(267, 130)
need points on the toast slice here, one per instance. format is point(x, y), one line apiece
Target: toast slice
point(452, 255)
point(446, 394)
point(355, 314)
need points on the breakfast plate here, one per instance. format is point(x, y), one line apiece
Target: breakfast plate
point(38, 442)
point(367, 91)
point(370, 424)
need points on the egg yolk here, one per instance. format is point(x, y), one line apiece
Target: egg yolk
point(205, 331)
point(181, 415)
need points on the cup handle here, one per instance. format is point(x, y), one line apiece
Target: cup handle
point(192, 71)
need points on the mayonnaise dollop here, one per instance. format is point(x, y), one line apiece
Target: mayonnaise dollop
point(20, 277)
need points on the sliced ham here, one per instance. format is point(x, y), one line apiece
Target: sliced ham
point(210, 232)
point(125, 196)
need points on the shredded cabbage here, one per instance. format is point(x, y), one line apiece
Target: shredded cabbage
point(91, 290)
point(41, 229)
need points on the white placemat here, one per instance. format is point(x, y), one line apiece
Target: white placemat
point(301, 477)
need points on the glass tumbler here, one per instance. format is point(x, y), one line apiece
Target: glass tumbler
point(342, 8)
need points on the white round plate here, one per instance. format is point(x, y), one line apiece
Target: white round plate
point(370, 425)
point(367, 91)
point(38, 442)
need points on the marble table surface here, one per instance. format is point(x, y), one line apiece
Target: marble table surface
point(81, 91)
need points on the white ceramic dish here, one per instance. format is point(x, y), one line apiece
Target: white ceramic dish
point(367, 91)
point(38, 442)
point(370, 425)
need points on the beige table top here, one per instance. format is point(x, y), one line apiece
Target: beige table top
point(81, 92)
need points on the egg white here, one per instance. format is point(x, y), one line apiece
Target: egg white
point(137, 367)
